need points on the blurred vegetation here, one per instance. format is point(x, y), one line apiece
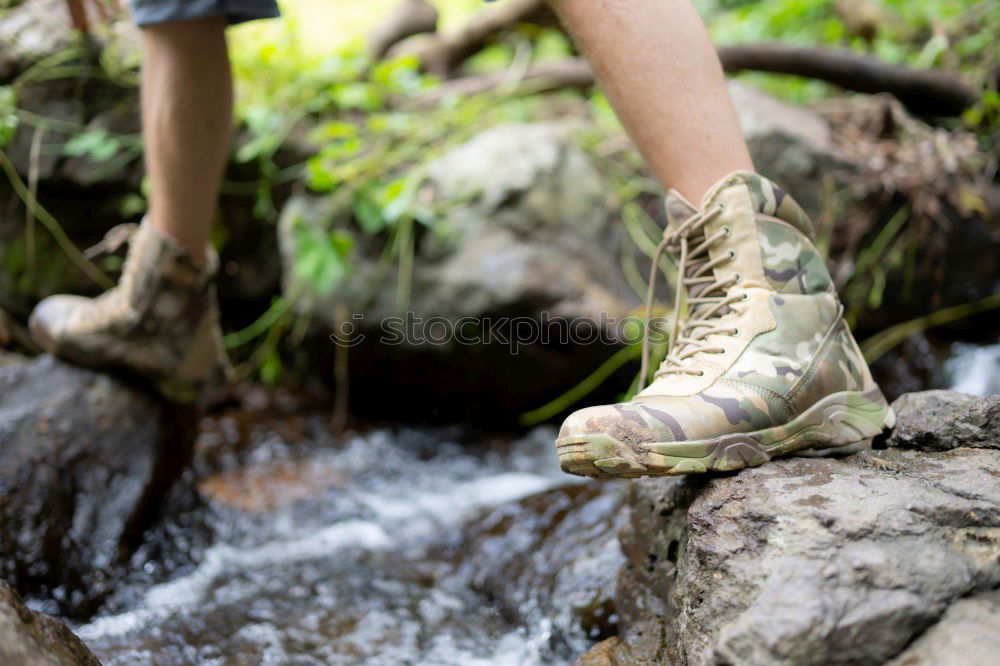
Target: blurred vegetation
point(306, 79)
point(313, 63)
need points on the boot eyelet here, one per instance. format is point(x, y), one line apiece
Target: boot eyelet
point(736, 332)
point(746, 295)
point(727, 231)
point(701, 373)
point(737, 277)
point(732, 255)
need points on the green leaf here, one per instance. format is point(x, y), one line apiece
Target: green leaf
point(96, 145)
point(400, 75)
point(132, 204)
point(397, 200)
point(271, 368)
point(8, 115)
point(367, 213)
point(322, 260)
point(360, 95)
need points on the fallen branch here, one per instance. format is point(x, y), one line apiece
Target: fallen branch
point(410, 17)
point(926, 92)
point(923, 92)
point(441, 55)
point(542, 77)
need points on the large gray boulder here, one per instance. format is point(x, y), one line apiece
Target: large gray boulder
point(28, 638)
point(86, 461)
point(817, 560)
point(527, 226)
point(791, 145)
point(527, 236)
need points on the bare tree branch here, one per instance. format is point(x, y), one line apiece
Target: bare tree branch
point(927, 92)
point(444, 53)
point(410, 17)
point(922, 91)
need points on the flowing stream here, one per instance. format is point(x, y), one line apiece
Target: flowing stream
point(393, 547)
point(429, 546)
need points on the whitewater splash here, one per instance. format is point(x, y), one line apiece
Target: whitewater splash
point(364, 574)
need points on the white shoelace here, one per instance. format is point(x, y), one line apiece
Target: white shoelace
point(708, 304)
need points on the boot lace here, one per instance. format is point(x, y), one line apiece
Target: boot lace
point(109, 305)
point(699, 288)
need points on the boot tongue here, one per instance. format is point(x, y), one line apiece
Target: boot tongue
point(680, 209)
point(767, 199)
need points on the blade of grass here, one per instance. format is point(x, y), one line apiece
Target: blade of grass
point(877, 345)
point(591, 382)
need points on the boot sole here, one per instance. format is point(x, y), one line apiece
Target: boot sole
point(172, 390)
point(838, 420)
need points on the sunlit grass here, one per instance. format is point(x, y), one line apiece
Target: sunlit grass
point(279, 61)
point(323, 26)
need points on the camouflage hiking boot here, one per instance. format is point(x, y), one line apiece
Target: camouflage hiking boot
point(764, 363)
point(160, 324)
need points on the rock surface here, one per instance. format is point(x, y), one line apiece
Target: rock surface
point(553, 555)
point(527, 234)
point(820, 560)
point(944, 420)
point(527, 227)
point(86, 460)
point(28, 638)
point(790, 144)
point(968, 632)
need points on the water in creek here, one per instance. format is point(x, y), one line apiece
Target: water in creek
point(392, 547)
point(973, 369)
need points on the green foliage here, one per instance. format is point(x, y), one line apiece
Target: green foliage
point(96, 145)
point(957, 34)
point(8, 115)
point(322, 260)
point(369, 133)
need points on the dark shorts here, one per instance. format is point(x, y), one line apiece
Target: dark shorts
point(147, 12)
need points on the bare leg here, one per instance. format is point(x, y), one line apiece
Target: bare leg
point(187, 105)
point(654, 61)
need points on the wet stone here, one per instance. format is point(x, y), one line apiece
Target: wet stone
point(28, 638)
point(86, 461)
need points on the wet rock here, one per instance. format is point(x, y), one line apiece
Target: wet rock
point(554, 555)
point(944, 420)
point(616, 652)
point(968, 632)
point(815, 560)
point(908, 367)
point(28, 638)
point(86, 460)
